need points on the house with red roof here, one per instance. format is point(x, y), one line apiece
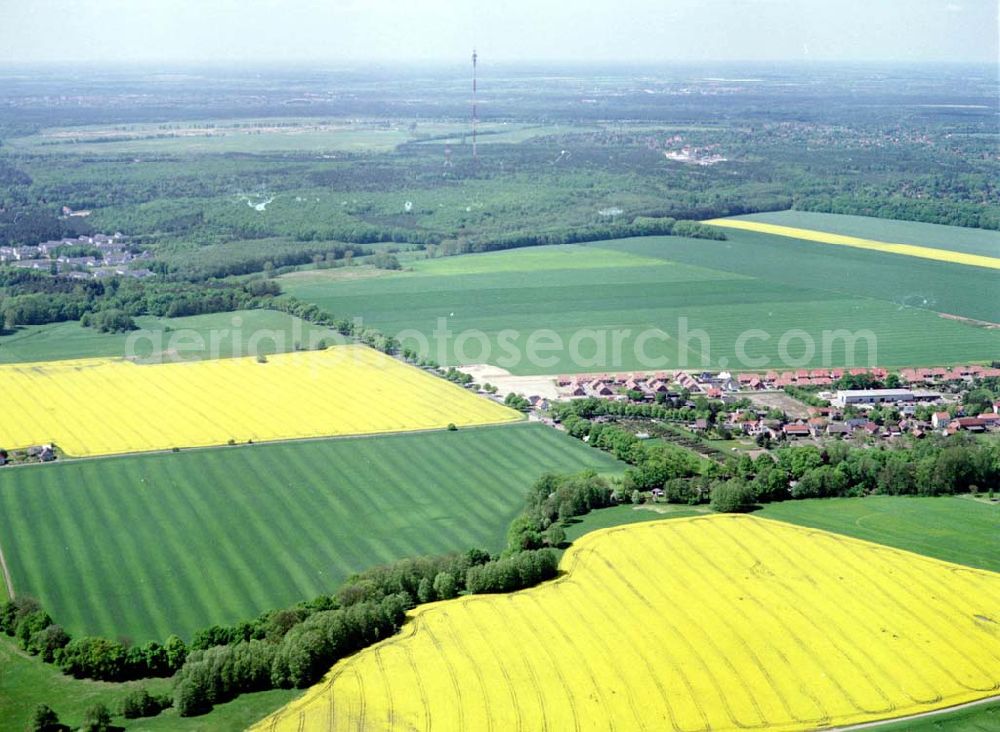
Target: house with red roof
point(796, 430)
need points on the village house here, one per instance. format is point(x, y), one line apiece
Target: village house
point(970, 424)
point(796, 430)
point(940, 420)
point(838, 429)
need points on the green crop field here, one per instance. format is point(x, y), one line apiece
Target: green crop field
point(971, 241)
point(954, 528)
point(149, 545)
point(902, 282)
point(719, 288)
point(267, 331)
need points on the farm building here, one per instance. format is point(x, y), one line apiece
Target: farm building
point(882, 396)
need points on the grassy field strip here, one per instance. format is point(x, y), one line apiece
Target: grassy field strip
point(724, 618)
point(910, 250)
point(106, 407)
point(142, 546)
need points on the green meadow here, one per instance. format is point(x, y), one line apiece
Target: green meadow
point(233, 334)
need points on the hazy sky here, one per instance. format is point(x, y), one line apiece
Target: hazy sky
point(503, 30)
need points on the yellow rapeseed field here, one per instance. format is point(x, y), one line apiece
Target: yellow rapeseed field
point(711, 623)
point(106, 406)
point(824, 237)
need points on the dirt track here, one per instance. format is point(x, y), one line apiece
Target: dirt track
point(6, 575)
point(936, 712)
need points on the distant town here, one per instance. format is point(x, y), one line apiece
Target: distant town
point(82, 257)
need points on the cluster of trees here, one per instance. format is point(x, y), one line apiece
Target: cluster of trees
point(518, 402)
point(96, 718)
point(25, 225)
point(507, 574)
point(140, 703)
point(109, 321)
point(932, 466)
point(88, 657)
point(455, 376)
point(29, 298)
point(295, 659)
point(575, 415)
point(554, 499)
point(385, 260)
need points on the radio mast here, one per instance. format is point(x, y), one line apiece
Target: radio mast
point(475, 108)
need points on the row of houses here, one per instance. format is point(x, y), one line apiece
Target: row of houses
point(713, 385)
point(943, 375)
point(609, 386)
point(802, 377)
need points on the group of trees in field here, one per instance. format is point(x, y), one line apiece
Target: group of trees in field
point(109, 321)
point(30, 298)
point(554, 499)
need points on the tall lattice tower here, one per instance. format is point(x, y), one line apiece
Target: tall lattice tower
point(475, 105)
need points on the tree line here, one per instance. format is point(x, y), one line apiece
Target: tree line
point(931, 466)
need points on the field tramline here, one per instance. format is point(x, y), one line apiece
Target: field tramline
point(104, 407)
point(718, 622)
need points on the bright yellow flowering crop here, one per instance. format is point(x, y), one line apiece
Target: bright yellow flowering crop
point(711, 623)
point(824, 237)
point(104, 406)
